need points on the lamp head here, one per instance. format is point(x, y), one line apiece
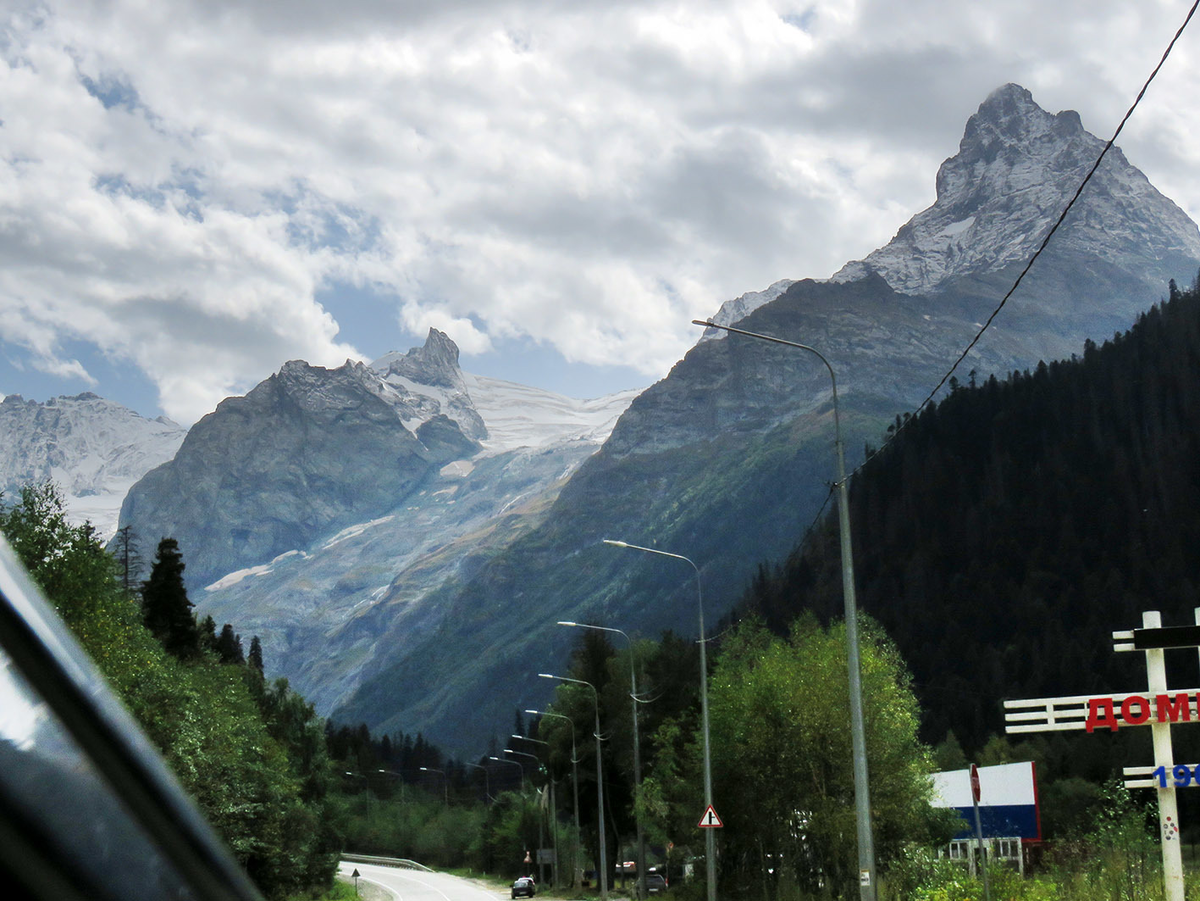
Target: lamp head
point(615, 543)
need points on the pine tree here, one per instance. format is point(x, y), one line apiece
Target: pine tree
point(255, 659)
point(229, 646)
point(129, 560)
point(166, 610)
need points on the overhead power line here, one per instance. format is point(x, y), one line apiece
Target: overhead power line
point(1046, 240)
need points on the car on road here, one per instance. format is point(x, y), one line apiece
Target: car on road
point(656, 883)
point(524, 887)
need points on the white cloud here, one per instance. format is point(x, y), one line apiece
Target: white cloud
point(179, 180)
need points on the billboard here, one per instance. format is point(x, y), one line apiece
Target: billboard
point(1008, 801)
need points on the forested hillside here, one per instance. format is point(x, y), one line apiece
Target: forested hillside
point(1004, 533)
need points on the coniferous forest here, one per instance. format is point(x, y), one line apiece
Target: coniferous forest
point(1001, 535)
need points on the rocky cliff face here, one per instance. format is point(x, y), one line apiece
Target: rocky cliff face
point(306, 452)
point(326, 509)
point(1015, 171)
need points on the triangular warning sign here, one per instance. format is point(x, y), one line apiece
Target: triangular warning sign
point(710, 820)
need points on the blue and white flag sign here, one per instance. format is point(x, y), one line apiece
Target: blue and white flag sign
point(1008, 800)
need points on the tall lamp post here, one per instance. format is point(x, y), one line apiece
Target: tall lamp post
point(487, 783)
point(515, 763)
point(599, 781)
point(574, 786)
point(710, 840)
point(858, 735)
point(537, 763)
point(532, 757)
point(553, 801)
point(637, 756)
point(445, 782)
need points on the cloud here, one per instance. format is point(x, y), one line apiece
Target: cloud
point(179, 182)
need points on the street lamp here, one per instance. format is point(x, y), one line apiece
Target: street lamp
point(637, 757)
point(396, 775)
point(574, 786)
point(858, 735)
point(445, 783)
point(553, 802)
point(710, 841)
point(599, 781)
point(537, 760)
point(487, 783)
point(515, 763)
point(532, 757)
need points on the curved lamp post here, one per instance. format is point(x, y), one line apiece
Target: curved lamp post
point(862, 793)
point(445, 782)
point(575, 875)
point(637, 757)
point(487, 783)
point(599, 781)
point(710, 840)
point(532, 757)
point(515, 763)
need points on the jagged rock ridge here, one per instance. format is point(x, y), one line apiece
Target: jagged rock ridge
point(307, 451)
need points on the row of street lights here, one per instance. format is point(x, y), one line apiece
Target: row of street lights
point(866, 850)
point(710, 842)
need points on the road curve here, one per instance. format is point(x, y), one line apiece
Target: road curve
point(416, 885)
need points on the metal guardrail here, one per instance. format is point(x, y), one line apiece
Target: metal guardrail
point(401, 862)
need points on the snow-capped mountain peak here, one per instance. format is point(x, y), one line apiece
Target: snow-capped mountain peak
point(95, 449)
point(1016, 169)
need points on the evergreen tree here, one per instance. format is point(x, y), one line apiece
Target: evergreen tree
point(166, 610)
point(255, 659)
point(129, 559)
point(229, 646)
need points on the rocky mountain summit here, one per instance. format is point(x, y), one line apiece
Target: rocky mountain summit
point(308, 451)
point(322, 509)
point(93, 448)
point(729, 458)
point(1016, 169)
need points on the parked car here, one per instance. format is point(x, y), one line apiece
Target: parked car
point(656, 883)
point(525, 887)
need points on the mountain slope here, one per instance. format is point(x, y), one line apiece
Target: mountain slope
point(323, 509)
point(93, 448)
point(727, 460)
point(1009, 530)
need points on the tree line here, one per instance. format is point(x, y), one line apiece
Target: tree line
point(1002, 534)
point(250, 752)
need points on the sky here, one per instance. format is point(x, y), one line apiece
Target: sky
point(193, 192)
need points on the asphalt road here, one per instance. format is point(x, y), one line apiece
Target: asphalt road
point(415, 885)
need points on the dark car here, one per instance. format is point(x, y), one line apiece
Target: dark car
point(524, 886)
point(656, 883)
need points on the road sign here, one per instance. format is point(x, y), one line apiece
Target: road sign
point(1155, 638)
point(710, 820)
point(975, 782)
